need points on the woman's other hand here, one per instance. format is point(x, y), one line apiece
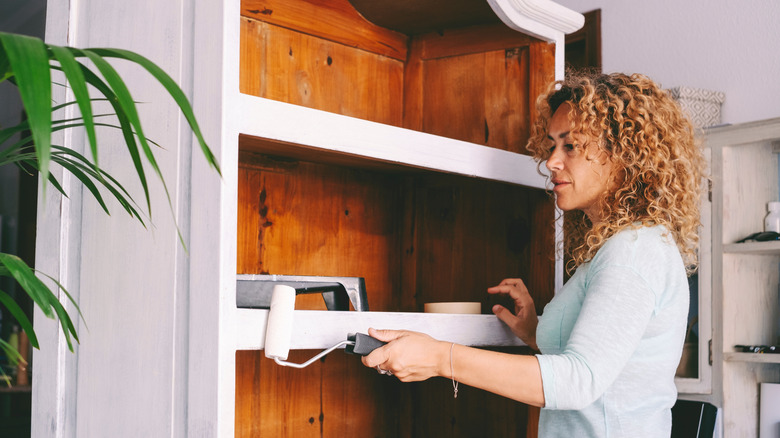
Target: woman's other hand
point(524, 320)
point(410, 356)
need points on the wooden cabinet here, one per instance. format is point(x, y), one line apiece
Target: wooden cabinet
point(373, 139)
point(415, 235)
point(473, 82)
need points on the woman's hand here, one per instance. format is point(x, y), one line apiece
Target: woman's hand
point(410, 356)
point(524, 320)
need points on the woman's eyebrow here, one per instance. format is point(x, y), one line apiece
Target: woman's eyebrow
point(561, 135)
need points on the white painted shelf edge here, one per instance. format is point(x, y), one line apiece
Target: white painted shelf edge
point(294, 124)
point(751, 357)
point(320, 329)
point(753, 248)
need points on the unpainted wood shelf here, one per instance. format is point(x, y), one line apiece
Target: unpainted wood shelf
point(752, 357)
point(757, 248)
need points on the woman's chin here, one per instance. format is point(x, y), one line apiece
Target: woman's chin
point(562, 205)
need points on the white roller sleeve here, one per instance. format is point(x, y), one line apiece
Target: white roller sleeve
point(280, 322)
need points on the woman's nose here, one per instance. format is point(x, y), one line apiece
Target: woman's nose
point(554, 162)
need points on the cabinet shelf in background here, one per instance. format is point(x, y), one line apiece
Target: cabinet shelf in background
point(745, 275)
point(751, 357)
point(758, 248)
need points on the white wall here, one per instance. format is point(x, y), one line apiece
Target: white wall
point(728, 46)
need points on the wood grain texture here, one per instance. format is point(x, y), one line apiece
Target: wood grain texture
point(475, 413)
point(413, 17)
point(541, 74)
point(299, 218)
point(413, 86)
point(532, 428)
point(332, 20)
point(335, 396)
point(470, 40)
point(456, 236)
point(275, 129)
point(472, 84)
point(474, 98)
point(470, 234)
point(583, 47)
point(415, 238)
point(476, 84)
point(358, 401)
point(276, 401)
point(294, 67)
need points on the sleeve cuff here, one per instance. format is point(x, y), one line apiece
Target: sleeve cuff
point(548, 382)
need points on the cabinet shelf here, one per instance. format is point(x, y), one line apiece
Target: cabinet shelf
point(758, 248)
point(751, 357)
point(318, 329)
point(271, 126)
point(403, 168)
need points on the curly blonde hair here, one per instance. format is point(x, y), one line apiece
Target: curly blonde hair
point(654, 150)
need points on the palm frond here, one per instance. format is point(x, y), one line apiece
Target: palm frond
point(43, 297)
point(27, 62)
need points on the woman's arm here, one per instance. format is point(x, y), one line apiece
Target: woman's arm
point(610, 325)
point(413, 356)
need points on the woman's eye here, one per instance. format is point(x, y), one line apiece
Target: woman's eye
point(569, 146)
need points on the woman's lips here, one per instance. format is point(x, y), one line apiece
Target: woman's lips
point(559, 184)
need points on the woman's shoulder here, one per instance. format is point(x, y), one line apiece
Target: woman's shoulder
point(648, 254)
point(640, 245)
point(643, 234)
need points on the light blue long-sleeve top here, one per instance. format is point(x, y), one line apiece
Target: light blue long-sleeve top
point(611, 340)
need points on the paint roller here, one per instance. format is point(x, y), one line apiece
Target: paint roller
point(278, 333)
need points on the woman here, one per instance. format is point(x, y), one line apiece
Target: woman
point(626, 171)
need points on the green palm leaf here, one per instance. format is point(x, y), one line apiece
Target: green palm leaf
point(27, 63)
point(172, 88)
point(73, 72)
point(40, 294)
point(125, 126)
point(20, 317)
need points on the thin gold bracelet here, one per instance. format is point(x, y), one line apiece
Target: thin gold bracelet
point(452, 373)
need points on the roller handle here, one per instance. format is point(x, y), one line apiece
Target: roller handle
point(362, 344)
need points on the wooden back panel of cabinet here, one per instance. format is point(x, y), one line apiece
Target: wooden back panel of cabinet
point(476, 83)
point(337, 398)
point(414, 236)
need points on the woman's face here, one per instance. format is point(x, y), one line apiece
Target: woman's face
point(580, 169)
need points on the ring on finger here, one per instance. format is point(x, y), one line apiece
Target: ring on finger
point(385, 372)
